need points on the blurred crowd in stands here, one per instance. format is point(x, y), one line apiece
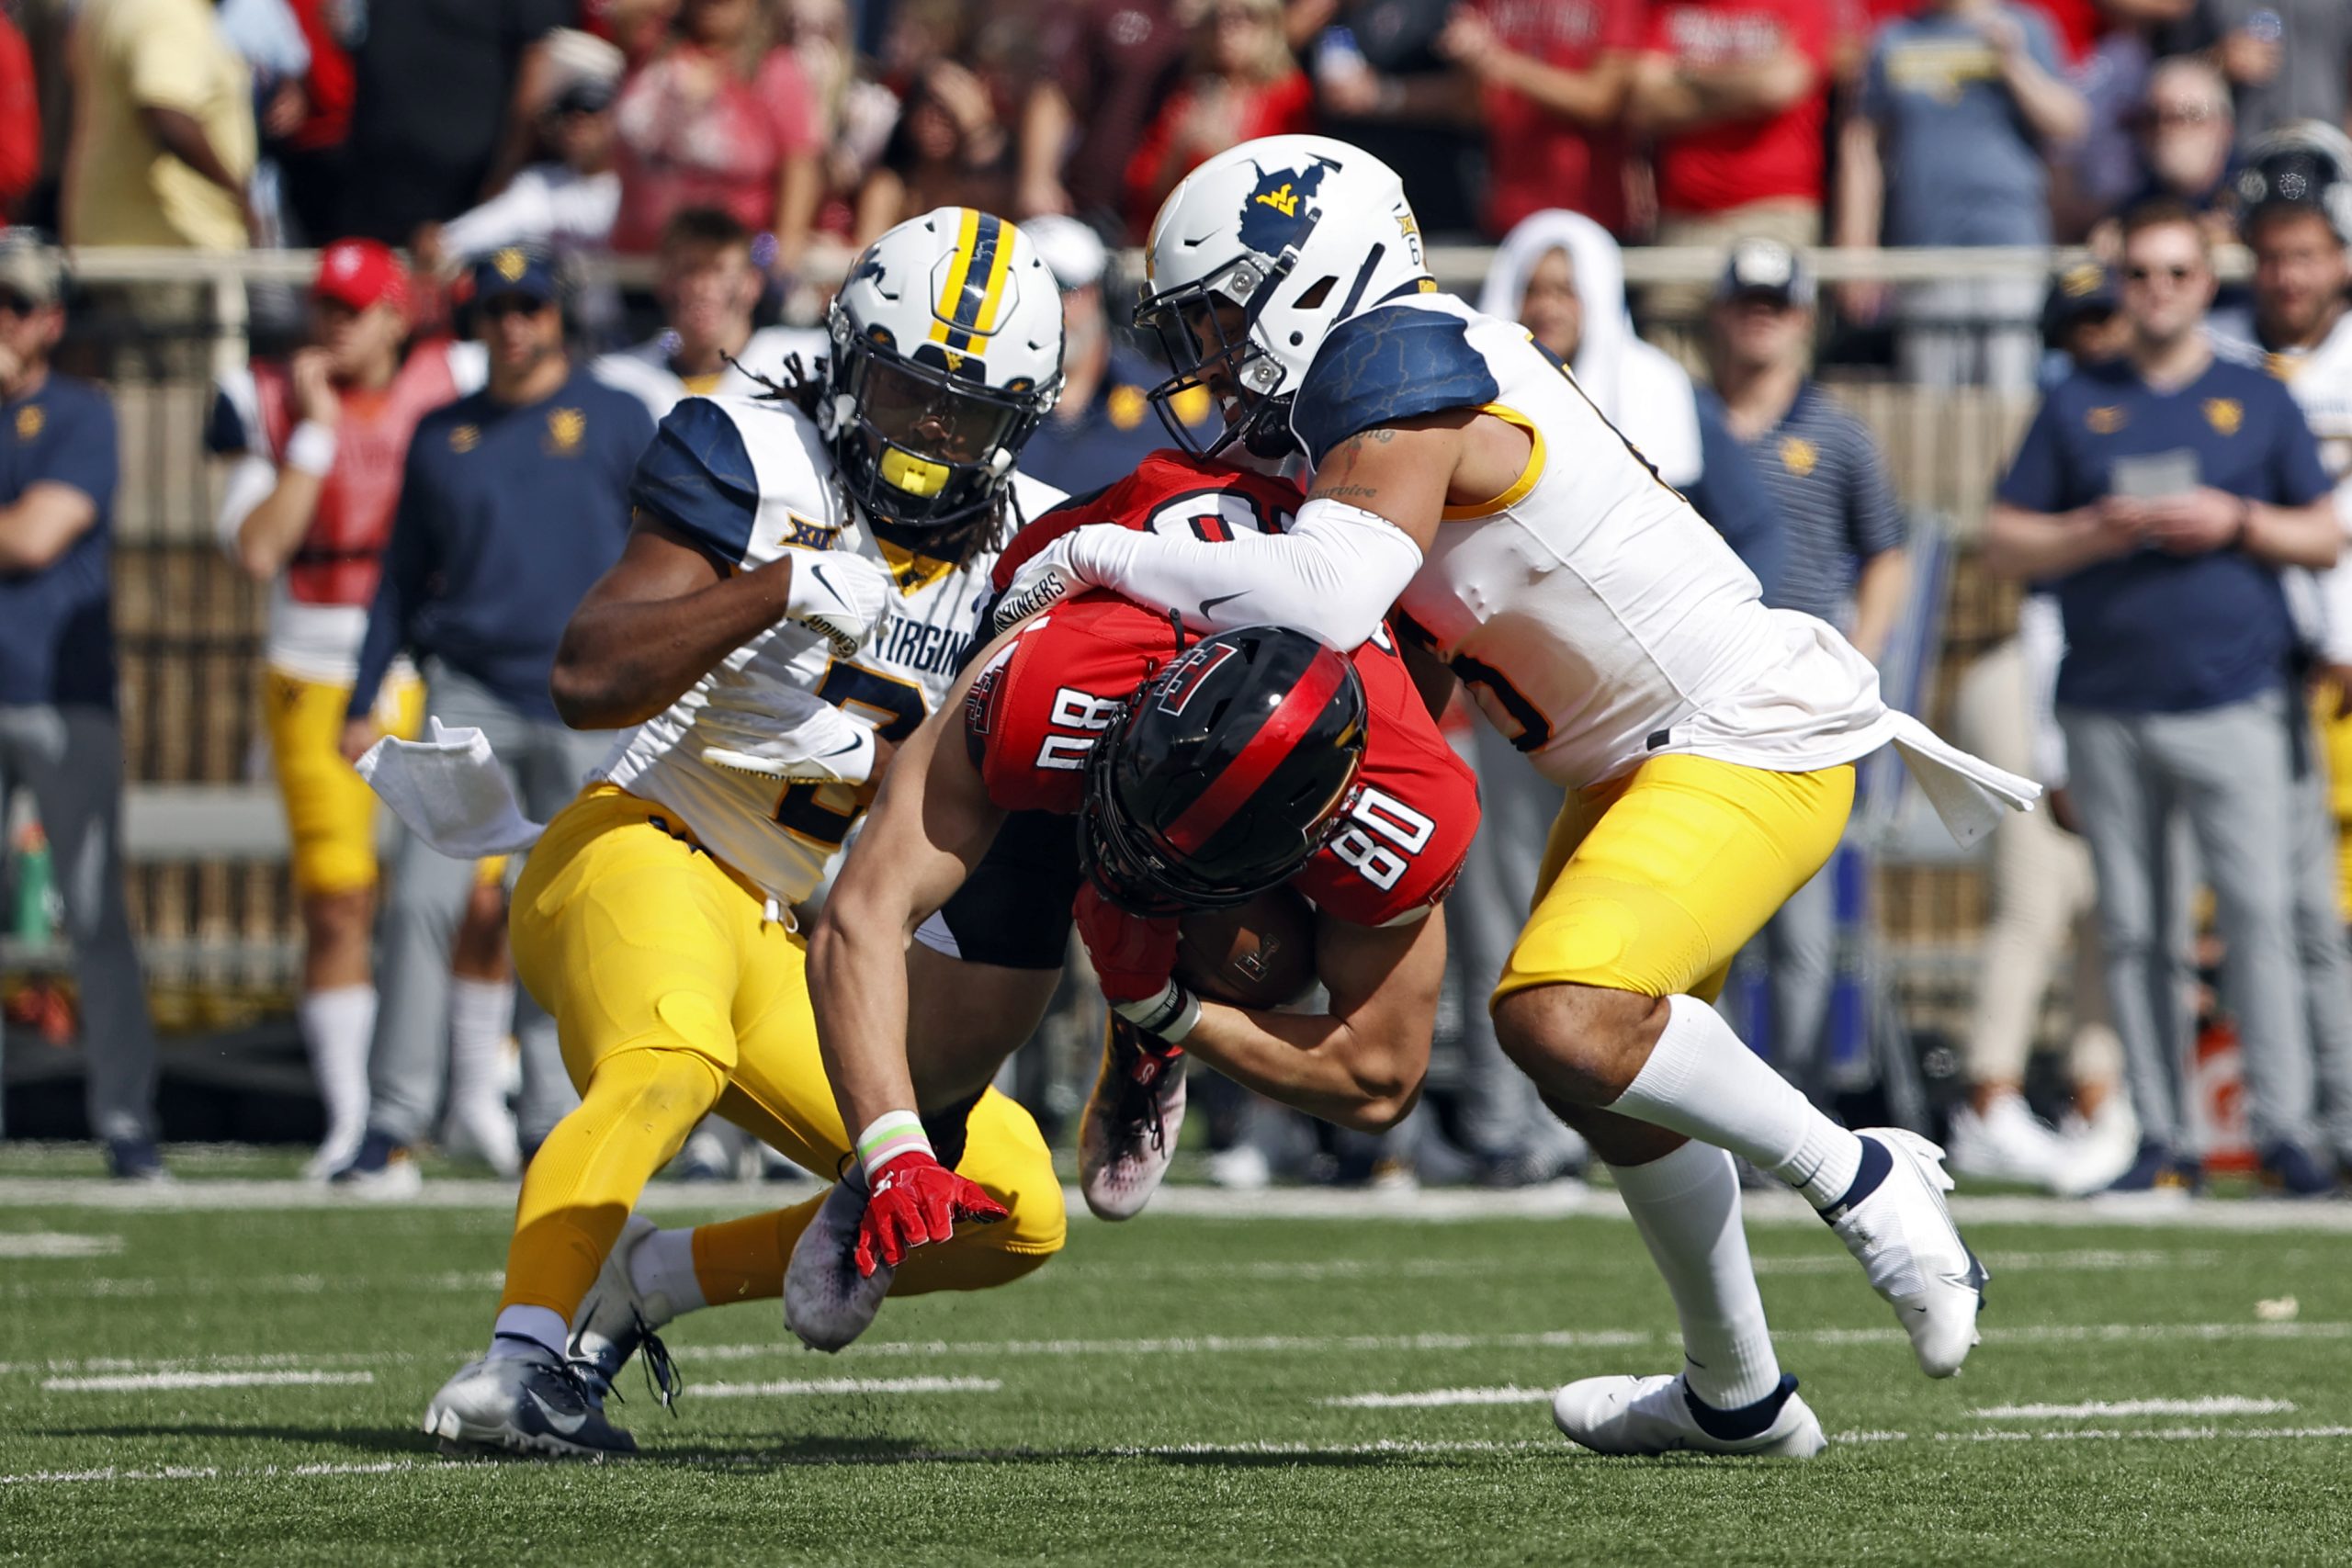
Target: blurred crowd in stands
point(2171, 494)
point(452, 126)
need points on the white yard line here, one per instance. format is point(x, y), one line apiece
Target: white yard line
point(136, 1382)
point(2209, 1404)
point(249, 1285)
point(57, 1244)
point(1400, 1447)
point(1436, 1205)
point(1239, 1345)
point(790, 1386)
point(2149, 1434)
point(1438, 1398)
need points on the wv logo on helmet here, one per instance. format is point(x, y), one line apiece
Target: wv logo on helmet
point(1272, 221)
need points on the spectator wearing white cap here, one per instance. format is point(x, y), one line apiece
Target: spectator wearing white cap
point(1103, 423)
point(566, 202)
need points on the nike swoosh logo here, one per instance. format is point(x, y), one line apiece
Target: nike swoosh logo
point(842, 750)
point(1209, 605)
point(819, 573)
point(568, 1425)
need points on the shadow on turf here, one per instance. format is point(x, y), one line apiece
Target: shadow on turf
point(812, 1451)
point(363, 1439)
point(801, 1452)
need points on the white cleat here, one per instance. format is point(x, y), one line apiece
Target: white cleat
point(484, 1128)
point(618, 1321)
point(1128, 1136)
point(1902, 1235)
point(533, 1405)
point(826, 1302)
point(1653, 1415)
point(2004, 1143)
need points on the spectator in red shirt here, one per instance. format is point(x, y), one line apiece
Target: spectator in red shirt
point(1734, 94)
point(19, 121)
point(1244, 84)
point(1552, 77)
point(718, 118)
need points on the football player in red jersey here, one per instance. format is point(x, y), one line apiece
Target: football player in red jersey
point(1199, 777)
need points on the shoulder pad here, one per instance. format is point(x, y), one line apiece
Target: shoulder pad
point(697, 477)
point(1387, 365)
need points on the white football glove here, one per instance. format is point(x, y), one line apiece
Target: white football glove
point(744, 735)
point(839, 597)
point(1045, 582)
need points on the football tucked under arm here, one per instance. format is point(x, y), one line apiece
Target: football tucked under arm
point(1259, 954)
point(1361, 1063)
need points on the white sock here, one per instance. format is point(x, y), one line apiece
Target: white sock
point(662, 1270)
point(1702, 1081)
point(337, 1026)
point(1687, 1208)
point(540, 1325)
point(480, 1014)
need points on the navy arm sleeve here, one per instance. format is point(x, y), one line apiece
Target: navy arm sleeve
point(408, 566)
point(1730, 494)
point(1386, 365)
point(79, 450)
point(225, 434)
point(697, 479)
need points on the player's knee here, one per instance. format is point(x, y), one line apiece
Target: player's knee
point(664, 1090)
point(1581, 1045)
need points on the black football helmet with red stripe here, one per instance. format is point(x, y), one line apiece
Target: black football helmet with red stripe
point(1223, 773)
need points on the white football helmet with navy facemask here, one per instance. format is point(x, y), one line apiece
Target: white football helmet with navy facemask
point(946, 353)
point(1299, 233)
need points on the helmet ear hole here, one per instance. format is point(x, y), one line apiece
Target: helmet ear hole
point(1316, 293)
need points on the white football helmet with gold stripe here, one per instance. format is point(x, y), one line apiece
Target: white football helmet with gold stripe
point(946, 353)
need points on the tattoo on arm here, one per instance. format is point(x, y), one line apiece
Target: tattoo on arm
point(1348, 492)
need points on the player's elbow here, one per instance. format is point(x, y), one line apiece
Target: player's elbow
point(1386, 1093)
point(591, 693)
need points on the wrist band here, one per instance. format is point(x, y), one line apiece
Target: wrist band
point(1167, 1018)
point(311, 448)
point(892, 1134)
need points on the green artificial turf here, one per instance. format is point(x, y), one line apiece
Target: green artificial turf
point(1158, 1395)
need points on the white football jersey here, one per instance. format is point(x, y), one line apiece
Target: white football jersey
point(643, 369)
point(782, 836)
point(1597, 618)
point(2321, 381)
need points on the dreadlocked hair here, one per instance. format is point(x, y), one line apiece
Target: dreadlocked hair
point(802, 385)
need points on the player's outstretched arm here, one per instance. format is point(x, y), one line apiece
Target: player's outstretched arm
point(927, 827)
point(1361, 1064)
point(1379, 497)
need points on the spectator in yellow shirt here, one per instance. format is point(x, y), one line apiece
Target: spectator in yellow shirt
point(163, 143)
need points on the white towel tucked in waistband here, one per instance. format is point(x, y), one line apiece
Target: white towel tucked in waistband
point(451, 792)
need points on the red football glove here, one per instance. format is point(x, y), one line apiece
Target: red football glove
point(1134, 955)
point(916, 1199)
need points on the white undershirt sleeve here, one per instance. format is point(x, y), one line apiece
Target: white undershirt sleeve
point(250, 481)
point(1334, 574)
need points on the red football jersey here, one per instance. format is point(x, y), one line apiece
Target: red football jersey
point(1037, 707)
point(1169, 492)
